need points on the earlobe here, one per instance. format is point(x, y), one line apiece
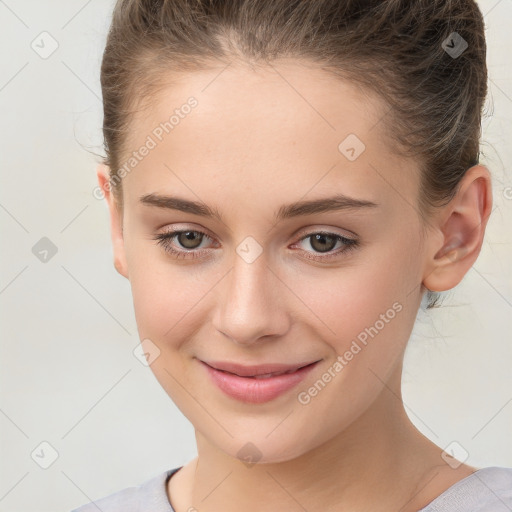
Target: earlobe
point(460, 233)
point(116, 224)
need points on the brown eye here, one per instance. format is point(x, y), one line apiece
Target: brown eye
point(189, 239)
point(323, 242)
point(322, 245)
point(183, 243)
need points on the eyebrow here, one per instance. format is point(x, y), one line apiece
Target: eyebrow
point(326, 204)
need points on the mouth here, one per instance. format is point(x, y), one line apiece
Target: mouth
point(263, 371)
point(257, 384)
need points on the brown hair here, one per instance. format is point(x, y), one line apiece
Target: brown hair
point(399, 49)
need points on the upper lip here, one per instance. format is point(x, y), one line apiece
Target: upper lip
point(253, 370)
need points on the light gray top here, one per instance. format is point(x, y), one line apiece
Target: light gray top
point(486, 490)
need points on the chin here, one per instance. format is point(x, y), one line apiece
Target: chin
point(258, 452)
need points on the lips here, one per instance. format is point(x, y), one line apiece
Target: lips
point(256, 384)
point(262, 371)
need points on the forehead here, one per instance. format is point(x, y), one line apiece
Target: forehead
point(263, 128)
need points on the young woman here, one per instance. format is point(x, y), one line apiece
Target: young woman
point(287, 180)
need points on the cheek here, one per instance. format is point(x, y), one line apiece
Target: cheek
point(167, 297)
point(368, 303)
point(169, 311)
point(162, 302)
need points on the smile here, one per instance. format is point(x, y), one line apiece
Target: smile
point(258, 384)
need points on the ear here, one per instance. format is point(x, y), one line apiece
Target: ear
point(116, 220)
point(459, 231)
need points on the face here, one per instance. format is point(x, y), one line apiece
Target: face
point(266, 282)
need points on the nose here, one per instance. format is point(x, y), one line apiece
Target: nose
point(251, 303)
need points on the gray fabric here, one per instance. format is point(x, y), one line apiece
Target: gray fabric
point(487, 490)
point(150, 496)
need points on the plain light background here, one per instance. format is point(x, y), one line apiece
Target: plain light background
point(68, 373)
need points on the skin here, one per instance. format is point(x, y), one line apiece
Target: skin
point(253, 144)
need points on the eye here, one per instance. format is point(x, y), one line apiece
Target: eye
point(186, 244)
point(325, 242)
point(188, 239)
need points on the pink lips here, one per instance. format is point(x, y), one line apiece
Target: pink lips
point(252, 384)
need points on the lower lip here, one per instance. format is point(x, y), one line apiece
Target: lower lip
point(256, 391)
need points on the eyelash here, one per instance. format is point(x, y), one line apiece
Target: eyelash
point(164, 239)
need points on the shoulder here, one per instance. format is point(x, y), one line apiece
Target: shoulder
point(150, 495)
point(486, 490)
